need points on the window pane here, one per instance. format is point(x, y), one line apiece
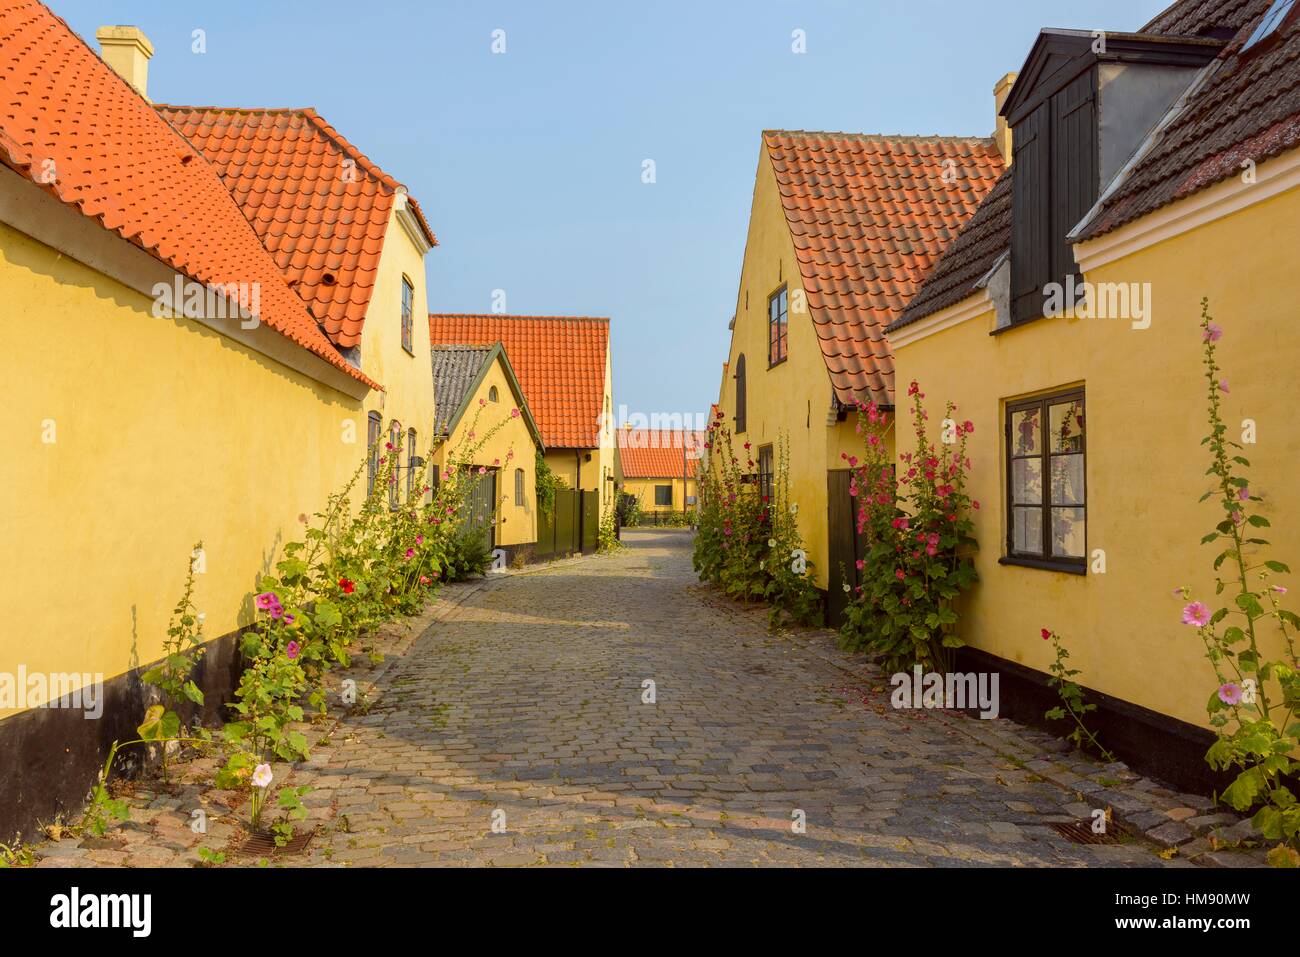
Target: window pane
point(1025, 437)
point(1027, 481)
point(1067, 480)
point(1068, 532)
point(1067, 426)
point(1027, 531)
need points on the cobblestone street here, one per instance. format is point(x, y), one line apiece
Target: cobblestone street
point(526, 702)
point(507, 726)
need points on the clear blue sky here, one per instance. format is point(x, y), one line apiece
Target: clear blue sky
point(528, 164)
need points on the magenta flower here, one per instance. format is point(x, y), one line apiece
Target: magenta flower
point(1244, 494)
point(482, 470)
point(419, 539)
point(1223, 386)
point(1280, 589)
point(266, 600)
point(291, 650)
point(410, 553)
point(276, 611)
point(514, 413)
point(1230, 693)
point(1213, 333)
point(1196, 614)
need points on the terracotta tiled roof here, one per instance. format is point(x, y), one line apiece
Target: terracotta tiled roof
point(659, 453)
point(560, 362)
point(119, 162)
point(1247, 108)
point(318, 203)
point(869, 215)
point(968, 258)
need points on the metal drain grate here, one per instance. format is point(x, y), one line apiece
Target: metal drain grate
point(263, 845)
point(1081, 832)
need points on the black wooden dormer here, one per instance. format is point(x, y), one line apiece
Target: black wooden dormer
point(1082, 105)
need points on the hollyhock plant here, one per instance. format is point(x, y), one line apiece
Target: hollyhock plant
point(1250, 643)
point(918, 539)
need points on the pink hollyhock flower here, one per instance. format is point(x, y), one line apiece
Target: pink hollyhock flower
point(931, 550)
point(1280, 589)
point(291, 650)
point(262, 776)
point(1230, 693)
point(425, 579)
point(1213, 333)
point(276, 611)
point(482, 470)
point(975, 505)
point(1223, 386)
point(265, 600)
point(347, 585)
point(410, 553)
point(853, 461)
point(900, 574)
point(482, 402)
point(1196, 614)
point(1046, 633)
point(419, 539)
point(968, 427)
point(913, 389)
point(1244, 494)
point(289, 619)
point(861, 564)
point(389, 446)
point(514, 413)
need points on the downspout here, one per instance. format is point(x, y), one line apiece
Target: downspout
point(577, 481)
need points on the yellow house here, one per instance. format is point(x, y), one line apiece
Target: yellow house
point(660, 469)
point(842, 229)
point(351, 242)
point(168, 376)
point(1072, 299)
point(565, 367)
point(477, 393)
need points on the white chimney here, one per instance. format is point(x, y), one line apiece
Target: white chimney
point(1002, 136)
point(127, 50)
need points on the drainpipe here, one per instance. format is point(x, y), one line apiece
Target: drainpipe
point(577, 458)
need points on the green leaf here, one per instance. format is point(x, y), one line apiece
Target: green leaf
point(1281, 567)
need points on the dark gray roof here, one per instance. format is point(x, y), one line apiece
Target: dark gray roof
point(455, 370)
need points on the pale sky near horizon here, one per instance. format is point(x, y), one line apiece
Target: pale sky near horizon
point(528, 163)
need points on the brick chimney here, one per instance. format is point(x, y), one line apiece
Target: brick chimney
point(127, 50)
point(1002, 136)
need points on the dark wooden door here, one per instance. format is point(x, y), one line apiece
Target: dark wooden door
point(842, 544)
point(483, 507)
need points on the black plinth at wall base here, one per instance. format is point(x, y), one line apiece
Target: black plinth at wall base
point(1150, 743)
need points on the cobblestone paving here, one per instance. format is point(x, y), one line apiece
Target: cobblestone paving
point(526, 703)
point(518, 702)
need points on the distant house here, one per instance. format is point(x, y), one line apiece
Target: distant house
point(565, 369)
point(660, 469)
point(1087, 453)
point(477, 393)
point(843, 229)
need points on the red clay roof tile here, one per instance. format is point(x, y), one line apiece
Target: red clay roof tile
point(559, 360)
point(118, 161)
point(320, 206)
point(869, 215)
point(660, 453)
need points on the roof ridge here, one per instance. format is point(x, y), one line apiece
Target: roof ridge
point(906, 137)
point(503, 315)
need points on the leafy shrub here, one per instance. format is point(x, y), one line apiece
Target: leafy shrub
point(919, 537)
point(747, 544)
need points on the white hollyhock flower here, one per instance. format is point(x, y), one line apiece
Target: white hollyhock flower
point(771, 543)
point(846, 588)
point(794, 508)
point(262, 774)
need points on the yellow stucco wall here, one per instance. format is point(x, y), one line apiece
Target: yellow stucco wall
point(1145, 412)
point(407, 378)
point(795, 396)
point(512, 447)
point(644, 490)
point(166, 432)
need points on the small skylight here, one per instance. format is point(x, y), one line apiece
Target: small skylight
point(1272, 20)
